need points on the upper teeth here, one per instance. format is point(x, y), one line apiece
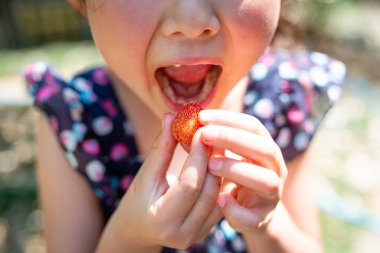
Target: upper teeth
point(177, 65)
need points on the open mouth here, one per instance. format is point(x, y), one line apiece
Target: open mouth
point(182, 84)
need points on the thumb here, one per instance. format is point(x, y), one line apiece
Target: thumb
point(161, 152)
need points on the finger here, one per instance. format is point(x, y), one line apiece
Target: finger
point(259, 149)
point(229, 187)
point(264, 181)
point(184, 192)
point(233, 119)
point(205, 204)
point(160, 154)
point(214, 217)
point(240, 217)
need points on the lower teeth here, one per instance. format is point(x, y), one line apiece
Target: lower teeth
point(208, 85)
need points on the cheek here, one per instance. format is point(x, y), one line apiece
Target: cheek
point(122, 31)
point(256, 20)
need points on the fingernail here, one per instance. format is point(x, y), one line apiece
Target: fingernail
point(165, 119)
point(214, 163)
point(209, 133)
point(203, 116)
point(221, 200)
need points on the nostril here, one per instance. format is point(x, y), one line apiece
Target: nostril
point(188, 26)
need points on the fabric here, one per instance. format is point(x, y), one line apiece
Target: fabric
point(288, 93)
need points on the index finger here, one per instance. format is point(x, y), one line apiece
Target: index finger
point(181, 196)
point(233, 119)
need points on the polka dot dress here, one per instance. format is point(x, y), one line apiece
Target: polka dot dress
point(288, 93)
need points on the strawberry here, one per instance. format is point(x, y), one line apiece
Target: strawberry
point(186, 123)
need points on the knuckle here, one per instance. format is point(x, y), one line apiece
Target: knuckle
point(182, 240)
point(165, 234)
point(211, 190)
point(192, 188)
point(273, 152)
point(274, 188)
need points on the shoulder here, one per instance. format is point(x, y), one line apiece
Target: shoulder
point(90, 126)
point(291, 93)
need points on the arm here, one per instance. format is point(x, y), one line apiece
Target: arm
point(295, 224)
point(150, 215)
point(72, 216)
point(73, 220)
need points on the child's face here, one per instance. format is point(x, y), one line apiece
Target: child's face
point(164, 50)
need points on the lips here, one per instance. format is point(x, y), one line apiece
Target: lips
point(182, 84)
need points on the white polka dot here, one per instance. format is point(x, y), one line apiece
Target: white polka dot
point(334, 92)
point(250, 98)
point(76, 110)
point(102, 126)
point(128, 128)
point(259, 71)
point(70, 96)
point(238, 244)
point(264, 108)
point(301, 141)
point(228, 231)
point(81, 84)
point(95, 170)
point(319, 58)
point(285, 99)
point(68, 140)
point(39, 69)
point(337, 71)
point(280, 120)
point(319, 76)
point(284, 137)
point(287, 70)
point(72, 160)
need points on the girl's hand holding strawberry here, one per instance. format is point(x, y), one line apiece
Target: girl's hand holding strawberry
point(155, 214)
point(252, 186)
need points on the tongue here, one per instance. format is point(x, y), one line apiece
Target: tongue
point(187, 74)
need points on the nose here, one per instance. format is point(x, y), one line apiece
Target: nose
point(190, 19)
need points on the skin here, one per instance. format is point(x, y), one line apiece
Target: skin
point(260, 195)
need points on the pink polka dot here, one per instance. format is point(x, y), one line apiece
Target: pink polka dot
point(295, 115)
point(268, 59)
point(54, 123)
point(100, 76)
point(45, 93)
point(119, 151)
point(28, 73)
point(126, 182)
point(110, 107)
point(91, 146)
point(50, 78)
point(286, 86)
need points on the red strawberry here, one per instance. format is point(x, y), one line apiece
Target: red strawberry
point(186, 123)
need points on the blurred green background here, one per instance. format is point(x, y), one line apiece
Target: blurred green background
point(347, 144)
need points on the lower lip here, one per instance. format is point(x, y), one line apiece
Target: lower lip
point(204, 103)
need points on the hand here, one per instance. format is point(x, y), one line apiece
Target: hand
point(257, 178)
point(176, 216)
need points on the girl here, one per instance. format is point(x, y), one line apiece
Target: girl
point(244, 184)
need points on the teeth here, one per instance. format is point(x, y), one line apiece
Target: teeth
point(208, 85)
point(164, 80)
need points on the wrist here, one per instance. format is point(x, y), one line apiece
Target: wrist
point(119, 234)
point(270, 225)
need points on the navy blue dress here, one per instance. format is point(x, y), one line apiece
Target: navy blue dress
point(288, 93)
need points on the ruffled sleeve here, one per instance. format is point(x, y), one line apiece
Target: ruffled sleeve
point(291, 94)
point(90, 126)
